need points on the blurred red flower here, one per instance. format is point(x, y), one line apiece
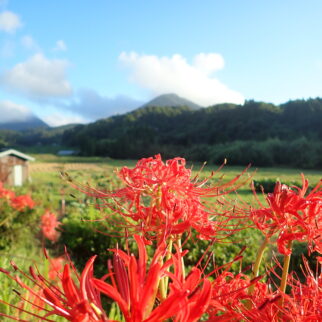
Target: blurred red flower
point(56, 267)
point(6, 194)
point(22, 202)
point(49, 223)
point(77, 302)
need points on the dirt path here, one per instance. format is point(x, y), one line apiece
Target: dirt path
point(51, 167)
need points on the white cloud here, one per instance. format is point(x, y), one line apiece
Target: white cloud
point(60, 46)
point(174, 74)
point(9, 21)
point(12, 112)
point(29, 43)
point(38, 78)
point(93, 106)
point(209, 63)
point(58, 118)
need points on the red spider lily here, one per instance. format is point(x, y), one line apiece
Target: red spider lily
point(292, 215)
point(49, 223)
point(56, 267)
point(231, 299)
point(75, 303)
point(196, 288)
point(162, 199)
point(6, 194)
point(305, 299)
point(303, 303)
point(22, 202)
point(135, 289)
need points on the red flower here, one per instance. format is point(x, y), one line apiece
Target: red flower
point(56, 267)
point(49, 223)
point(196, 290)
point(305, 299)
point(135, 289)
point(22, 202)
point(303, 303)
point(77, 303)
point(292, 215)
point(160, 199)
point(6, 194)
point(231, 300)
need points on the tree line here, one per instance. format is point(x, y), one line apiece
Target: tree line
point(264, 134)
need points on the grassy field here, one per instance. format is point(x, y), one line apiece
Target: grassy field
point(46, 170)
point(52, 163)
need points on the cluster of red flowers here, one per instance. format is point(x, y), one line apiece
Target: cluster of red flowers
point(135, 287)
point(49, 225)
point(19, 203)
point(160, 201)
point(292, 215)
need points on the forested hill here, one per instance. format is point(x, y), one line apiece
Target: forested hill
point(266, 134)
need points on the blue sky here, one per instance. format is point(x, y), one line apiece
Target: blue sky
point(77, 61)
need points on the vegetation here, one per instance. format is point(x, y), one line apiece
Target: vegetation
point(263, 134)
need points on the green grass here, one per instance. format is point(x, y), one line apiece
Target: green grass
point(52, 182)
point(50, 158)
point(283, 174)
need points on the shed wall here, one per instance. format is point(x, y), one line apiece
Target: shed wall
point(6, 169)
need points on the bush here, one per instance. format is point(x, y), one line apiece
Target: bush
point(17, 218)
point(84, 236)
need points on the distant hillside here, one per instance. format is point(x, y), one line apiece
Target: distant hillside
point(257, 132)
point(30, 123)
point(171, 100)
point(261, 133)
point(34, 137)
point(62, 128)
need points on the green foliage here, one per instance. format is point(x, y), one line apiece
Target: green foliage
point(16, 226)
point(264, 134)
point(257, 132)
point(84, 237)
point(226, 249)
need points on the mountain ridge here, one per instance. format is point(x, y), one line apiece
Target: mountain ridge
point(30, 123)
point(171, 100)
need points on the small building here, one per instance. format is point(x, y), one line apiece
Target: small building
point(14, 169)
point(66, 152)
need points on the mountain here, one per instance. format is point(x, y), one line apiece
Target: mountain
point(62, 128)
point(171, 100)
point(30, 123)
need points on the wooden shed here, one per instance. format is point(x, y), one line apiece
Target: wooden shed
point(14, 170)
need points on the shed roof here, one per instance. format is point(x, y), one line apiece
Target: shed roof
point(17, 154)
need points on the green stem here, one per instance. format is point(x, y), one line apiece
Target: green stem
point(169, 254)
point(258, 261)
point(259, 257)
point(182, 260)
point(286, 265)
point(162, 289)
point(163, 284)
